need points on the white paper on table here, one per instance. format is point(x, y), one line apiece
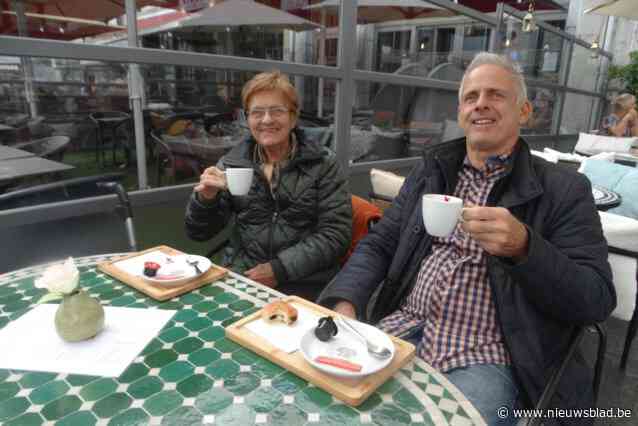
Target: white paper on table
point(35, 345)
point(282, 336)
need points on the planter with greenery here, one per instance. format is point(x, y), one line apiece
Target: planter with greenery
point(627, 74)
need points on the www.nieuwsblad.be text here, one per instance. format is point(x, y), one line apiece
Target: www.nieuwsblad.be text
point(560, 413)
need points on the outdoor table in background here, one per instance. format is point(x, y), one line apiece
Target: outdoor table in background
point(18, 168)
point(190, 374)
point(206, 148)
point(9, 153)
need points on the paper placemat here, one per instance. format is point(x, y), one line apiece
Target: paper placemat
point(36, 346)
point(283, 336)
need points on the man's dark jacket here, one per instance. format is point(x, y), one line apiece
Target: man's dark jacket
point(302, 228)
point(565, 282)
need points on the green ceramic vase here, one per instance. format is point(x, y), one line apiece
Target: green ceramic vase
point(79, 317)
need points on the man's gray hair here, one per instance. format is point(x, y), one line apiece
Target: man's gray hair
point(487, 58)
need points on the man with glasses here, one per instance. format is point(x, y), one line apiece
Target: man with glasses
point(295, 223)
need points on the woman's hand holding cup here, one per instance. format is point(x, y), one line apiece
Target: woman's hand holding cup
point(210, 183)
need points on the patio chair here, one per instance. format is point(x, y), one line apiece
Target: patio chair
point(213, 122)
point(52, 148)
point(622, 237)
point(550, 389)
point(41, 234)
point(364, 215)
point(107, 125)
point(169, 163)
point(214, 103)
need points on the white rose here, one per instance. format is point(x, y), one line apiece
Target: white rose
point(60, 278)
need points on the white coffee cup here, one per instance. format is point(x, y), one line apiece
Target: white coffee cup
point(239, 180)
point(441, 213)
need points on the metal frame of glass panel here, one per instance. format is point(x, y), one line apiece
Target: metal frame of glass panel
point(344, 73)
point(561, 89)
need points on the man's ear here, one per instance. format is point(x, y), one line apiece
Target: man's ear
point(525, 112)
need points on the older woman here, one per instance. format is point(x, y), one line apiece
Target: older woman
point(295, 223)
point(624, 120)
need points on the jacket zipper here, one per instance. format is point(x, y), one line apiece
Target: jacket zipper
point(273, 220)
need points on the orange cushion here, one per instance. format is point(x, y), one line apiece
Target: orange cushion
point(363, 212)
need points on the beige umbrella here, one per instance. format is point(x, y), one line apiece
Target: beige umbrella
point(234, 13)
point(621, 8)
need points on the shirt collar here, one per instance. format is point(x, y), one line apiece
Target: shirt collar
point(493, 164)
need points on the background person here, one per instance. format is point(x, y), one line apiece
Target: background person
point(296, 222)
point(492, 306)
point(623, 122)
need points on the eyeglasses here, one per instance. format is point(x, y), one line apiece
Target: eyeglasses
point(275, 112)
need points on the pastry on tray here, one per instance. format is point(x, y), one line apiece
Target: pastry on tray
point(279, 311)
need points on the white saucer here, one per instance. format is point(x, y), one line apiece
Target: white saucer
point(189, 272)
point(349, 347)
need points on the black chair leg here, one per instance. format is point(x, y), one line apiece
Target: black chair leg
point(98, 144)
point(600, 359)
point(114, 144)
point(631, 333)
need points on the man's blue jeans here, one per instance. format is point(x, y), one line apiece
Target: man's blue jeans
point(489, 387)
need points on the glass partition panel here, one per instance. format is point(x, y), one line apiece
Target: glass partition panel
point(540, 53)
point(543, 103)
point(77, 116)
point(577, 113)
point(391, 121)
point(392, 50)
point(425, 42)
point(435, 44)
point(293, 35)
point(587, 69)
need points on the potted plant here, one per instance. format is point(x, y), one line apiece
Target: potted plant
point(627, 74)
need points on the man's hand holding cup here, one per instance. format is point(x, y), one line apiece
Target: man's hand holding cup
point(496, 230)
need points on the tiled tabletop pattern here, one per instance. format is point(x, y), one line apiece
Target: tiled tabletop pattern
point(190, 374)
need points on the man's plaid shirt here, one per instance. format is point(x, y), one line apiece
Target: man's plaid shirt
point(452, 298)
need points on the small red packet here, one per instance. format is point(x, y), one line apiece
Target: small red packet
point(339, 363)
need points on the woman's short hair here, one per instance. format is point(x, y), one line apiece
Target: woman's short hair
point(623, 102)
point(271, 81)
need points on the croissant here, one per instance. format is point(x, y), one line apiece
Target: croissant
point(279, 311)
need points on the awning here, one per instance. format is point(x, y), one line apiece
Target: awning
point(621, 8)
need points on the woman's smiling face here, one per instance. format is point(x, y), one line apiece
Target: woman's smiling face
point(270, 118)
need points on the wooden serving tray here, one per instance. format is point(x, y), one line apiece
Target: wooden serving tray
point(158, 291)
point(351, 391)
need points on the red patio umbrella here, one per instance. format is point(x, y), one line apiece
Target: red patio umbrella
point(55, 27)
point(101, 10)
point(69, 19)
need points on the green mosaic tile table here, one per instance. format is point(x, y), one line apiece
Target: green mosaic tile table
point(190, 374)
